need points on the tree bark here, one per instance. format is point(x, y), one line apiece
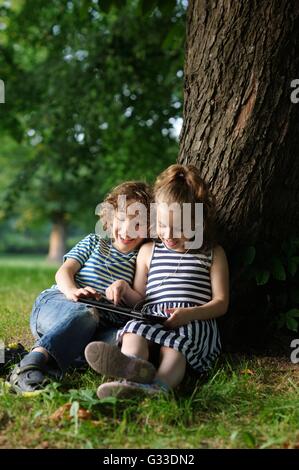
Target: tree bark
point(240, 127)
point(57, 242)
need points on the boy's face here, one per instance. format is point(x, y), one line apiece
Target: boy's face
point(128, 228)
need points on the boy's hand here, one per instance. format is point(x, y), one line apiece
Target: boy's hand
point(75, 293)
point(116, 291)
point(177, 317)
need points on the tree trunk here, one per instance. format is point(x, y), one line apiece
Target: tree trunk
point(241, 127)
point(57, 241)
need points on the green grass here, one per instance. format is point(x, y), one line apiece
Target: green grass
point(244, 403)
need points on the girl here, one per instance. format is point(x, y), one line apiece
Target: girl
point(187, 283)
point(61, 325)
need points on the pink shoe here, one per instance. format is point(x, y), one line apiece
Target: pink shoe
point(109, 360)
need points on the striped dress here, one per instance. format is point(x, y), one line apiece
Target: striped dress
point(180, 280)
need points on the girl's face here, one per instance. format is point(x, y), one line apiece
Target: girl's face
point(169, 228)
point(128, 231)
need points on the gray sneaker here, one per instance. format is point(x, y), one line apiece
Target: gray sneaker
point(127, 389)
point(107, 359)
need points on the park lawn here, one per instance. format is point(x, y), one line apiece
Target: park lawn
point(245, 402)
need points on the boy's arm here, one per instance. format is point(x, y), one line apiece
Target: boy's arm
point(65, 279)
point(121, 290)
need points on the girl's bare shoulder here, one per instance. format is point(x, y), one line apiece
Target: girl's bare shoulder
point(145, 253)
point(219, 257)
point(146, 249)
point(218, 251)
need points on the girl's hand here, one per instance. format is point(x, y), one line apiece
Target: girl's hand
point(116, 291)
point(76, 292)
point(178, 317)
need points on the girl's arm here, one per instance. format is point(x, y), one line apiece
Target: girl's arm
point(220, 295)
point(121, 290)
point(65, 279)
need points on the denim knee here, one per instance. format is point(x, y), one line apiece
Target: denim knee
point(66, 340)
point(85, 316)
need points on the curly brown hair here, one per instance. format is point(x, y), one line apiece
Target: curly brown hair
point(137, 191)
point(183, 184)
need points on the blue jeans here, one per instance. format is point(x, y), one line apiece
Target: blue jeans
point(64, 327)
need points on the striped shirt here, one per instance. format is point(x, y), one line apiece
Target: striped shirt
point(101, 263)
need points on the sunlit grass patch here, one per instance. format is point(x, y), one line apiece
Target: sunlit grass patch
point(244, 402)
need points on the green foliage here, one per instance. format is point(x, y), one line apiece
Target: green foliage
point(16, 237)
point(248, 255)
point(275, 272)
point(277, 269)
point(92, 93)
point(262, 277)
point(289, 319)
point(144, 7)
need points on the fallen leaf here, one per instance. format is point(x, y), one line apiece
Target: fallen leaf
point(247, 371)
point(60, 413)
point(63, 413)
point(84, 414)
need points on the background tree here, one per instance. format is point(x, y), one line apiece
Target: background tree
point(100, 93)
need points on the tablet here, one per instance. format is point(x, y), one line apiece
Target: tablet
point(105, 305)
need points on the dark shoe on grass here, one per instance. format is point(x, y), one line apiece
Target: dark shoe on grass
point(108, 359)
point(24, 379)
